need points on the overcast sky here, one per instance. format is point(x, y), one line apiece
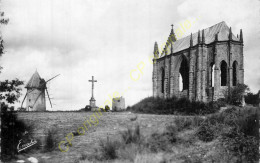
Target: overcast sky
point(108, 39)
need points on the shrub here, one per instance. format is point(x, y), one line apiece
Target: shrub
point(131, 135)
point(173, 105)
point(205, 132)
point(171, 132)
point(244, 120)
point(108, 149)
point(128, 108)
point(129, 151)
point(237, 131)
point(197, 121)
point(162, 141)
point(236, 94)
point(253, 99)
point(158, 142)
point(211, 127)
point(243, 147)
point(87, 108)
point(107, 108)
point(51, 140)
point(183, 123)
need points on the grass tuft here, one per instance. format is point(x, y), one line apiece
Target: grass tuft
point(131, 135)
point(51, 140)
point(108, 149)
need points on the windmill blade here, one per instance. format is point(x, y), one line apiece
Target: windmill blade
point(36, 99)
point(48, 96)
point(23, 100)
point(43, 84)
point(52, 78)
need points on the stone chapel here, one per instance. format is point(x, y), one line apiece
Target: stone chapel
point(202, 66)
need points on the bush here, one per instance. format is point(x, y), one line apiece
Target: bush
point(252, 99)
point(206, 132)
point(131, 135)
point(173, 105)
point(183, 123)
point(213, 125)
point(243, 147)
point(197, 121)
point(236, 94)
point(51, 141)
point(108, 149)
point(171, 132)
point(87, 108)
point(237, 131)
point(107, 108)
point(162, 141)
point(129, 152)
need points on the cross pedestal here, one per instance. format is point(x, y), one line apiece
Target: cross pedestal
point(92, 101)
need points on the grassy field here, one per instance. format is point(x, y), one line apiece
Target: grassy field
point(230, 135)
point(65, 122)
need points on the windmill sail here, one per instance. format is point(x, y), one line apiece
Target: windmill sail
point(48, 96)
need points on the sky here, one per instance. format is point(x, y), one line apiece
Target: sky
point(111, 40)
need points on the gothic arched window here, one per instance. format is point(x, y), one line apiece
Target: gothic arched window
point(212, 74)
point(184, 75)
point(223, 75)
point(162, 76)
point(234, 73)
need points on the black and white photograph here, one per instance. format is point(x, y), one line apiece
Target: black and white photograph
point(129, 81)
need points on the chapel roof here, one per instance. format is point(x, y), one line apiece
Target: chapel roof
point(35, 81)
point(220, 28)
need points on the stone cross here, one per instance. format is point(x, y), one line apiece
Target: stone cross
point(92, 86)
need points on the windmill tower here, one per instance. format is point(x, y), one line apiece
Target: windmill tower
point(35, 94)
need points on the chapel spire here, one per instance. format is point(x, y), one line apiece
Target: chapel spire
point(199, 37)
point(203, 37)
point(216, 36)
point(172, 37)
point(230, 34)
point(156, 50)
point(241, 35)
point(191, 40)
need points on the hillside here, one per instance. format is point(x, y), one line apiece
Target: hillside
point(167, 138)
point(109, 124)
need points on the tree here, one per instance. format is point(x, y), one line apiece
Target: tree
point(10, 90)
point(12, 129)
point(252, 98)
point(3, 21)
point(236, 95)
point(107, 108)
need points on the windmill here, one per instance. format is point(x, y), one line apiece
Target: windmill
point(35, 94)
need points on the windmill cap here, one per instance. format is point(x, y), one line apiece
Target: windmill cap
point(35, 82)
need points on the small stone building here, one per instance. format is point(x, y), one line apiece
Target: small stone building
point(118, 104)
point(202, 66)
